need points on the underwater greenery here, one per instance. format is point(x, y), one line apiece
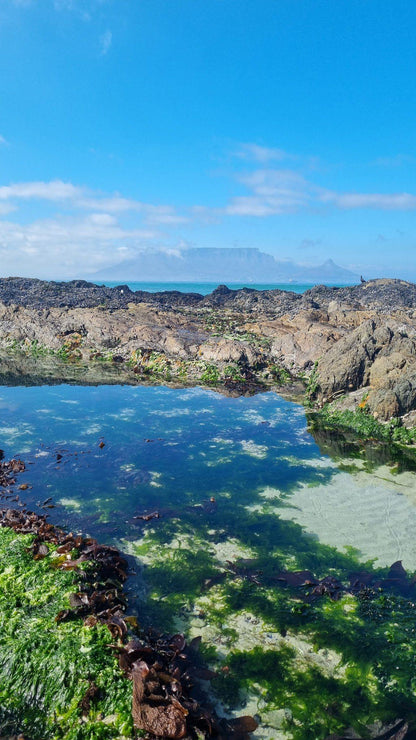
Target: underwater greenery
point(310, 663)
point(46, 668)
point(201, 506)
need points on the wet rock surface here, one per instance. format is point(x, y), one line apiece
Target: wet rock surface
point(343, 339)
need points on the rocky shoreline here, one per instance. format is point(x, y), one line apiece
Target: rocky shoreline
point(353, 343)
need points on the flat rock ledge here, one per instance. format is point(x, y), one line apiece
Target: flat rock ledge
point(339, 341)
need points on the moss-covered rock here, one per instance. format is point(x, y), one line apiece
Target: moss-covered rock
point(47, 668)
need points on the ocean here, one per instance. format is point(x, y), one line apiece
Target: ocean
point(205, 288)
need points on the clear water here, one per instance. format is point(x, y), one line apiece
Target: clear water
point(229, 478)
point(163, 447)
point(205, 288)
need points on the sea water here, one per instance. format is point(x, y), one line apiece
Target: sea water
point(205, 288)
point(213, 497)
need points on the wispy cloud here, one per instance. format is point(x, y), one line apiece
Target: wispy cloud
point(308, 243)
point(3, 141)
point(278, 191)
point(272, 192)
point(155, 214)
point(55, 190)
point(378, 201)
point(265, 156)
point(261, 154)
point(395, 161)
point(106, 39)
point(6, 208)
point(84, 9)
point(80, 197)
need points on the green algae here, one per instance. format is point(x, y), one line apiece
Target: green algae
point(356, 434)
point(363, 424)
point(356, 659)
point(183, 556)
point(46, 668)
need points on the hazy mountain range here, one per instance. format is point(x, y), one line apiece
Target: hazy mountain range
point(221, 265)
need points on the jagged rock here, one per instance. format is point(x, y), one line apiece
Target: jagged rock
point(380, 356)
point(346, 365)
point(299, 342)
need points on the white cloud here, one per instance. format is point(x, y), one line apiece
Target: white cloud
point(163, 215)
point(102, 219)
point(252, 206)
point(56, 190)
point(273, 192)
point(3, 141)
point(78, 197)
point(262, 154)
point(379, 201)
point(106, 40)
point(67, 247)
point(6, 208)
point(112, 204)
point(154, 214)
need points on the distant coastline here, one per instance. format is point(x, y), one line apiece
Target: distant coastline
point(204, 288)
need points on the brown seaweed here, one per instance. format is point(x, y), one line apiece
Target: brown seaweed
point(164, 674)
point(8, 470)
point(92, 694)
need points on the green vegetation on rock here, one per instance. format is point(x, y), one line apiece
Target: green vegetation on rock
point(46, 668)
point(363, 424)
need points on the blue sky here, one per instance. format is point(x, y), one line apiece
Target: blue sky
point(286, 125)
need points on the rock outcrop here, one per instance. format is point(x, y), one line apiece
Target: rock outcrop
point(346, 339)
point(379, 356)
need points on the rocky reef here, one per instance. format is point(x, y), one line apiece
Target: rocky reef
point(355, 342)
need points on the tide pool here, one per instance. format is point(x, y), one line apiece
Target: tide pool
point(216, 499)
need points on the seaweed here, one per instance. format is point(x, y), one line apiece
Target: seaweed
point(63, 685)
point(46, 667)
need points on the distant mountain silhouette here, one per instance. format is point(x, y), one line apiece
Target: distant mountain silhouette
point(221, 265)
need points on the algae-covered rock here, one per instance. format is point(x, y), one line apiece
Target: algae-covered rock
point(361, 336)
point(47, 668)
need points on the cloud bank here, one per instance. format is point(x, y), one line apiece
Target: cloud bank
point(79, 230)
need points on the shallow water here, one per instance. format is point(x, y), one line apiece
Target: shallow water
point(165, 447)
point(225, 479)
